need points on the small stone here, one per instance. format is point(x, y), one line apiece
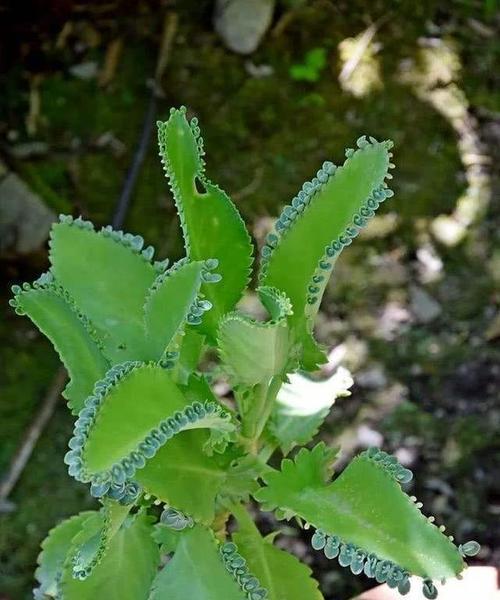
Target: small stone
point(25, 221)
point(242, 23)
point(423, 305)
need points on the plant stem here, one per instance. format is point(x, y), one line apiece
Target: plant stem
point(256, 418)
point(271, 392)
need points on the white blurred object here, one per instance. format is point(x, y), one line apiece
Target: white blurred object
point(304, 397)
point(303, 404)
point(242, 23)
point(478, 583)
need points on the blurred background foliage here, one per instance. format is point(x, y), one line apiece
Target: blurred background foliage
point(413, 309)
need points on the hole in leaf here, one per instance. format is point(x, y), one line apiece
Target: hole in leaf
point(198, 184)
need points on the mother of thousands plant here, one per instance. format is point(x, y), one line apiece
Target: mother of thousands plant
point(151, 432)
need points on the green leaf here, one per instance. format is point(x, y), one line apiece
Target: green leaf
point(211, 224)
point(133, 412)
point(55, 547)
point(322, 219)
point(302, 405)
point(183, 476)
point(255, 352)
point(167, 538)
point(73, 337)
point(242, 477)
point(363, 516)
point(189, 355)
point(172, 302)
point(92, 543)
point(196, 571)
point(108, 276)
point(197, 389)
point(126, 570)
point(315, 61)
point(281, 573)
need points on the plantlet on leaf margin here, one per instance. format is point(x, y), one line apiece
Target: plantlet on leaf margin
point(151, 431)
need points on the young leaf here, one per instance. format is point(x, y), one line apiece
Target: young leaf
point(197, 389)
point(53, 312)
point(363, 517)
point(321, 220)
point(191, 349)
point(197, 570)
point(211, 225)
point(280, 573)
point(255, 352)
point(172, 302)
point(55, 547)
point(126, 570)
point(92, 543)
point(108, 276)
point(132, 413)
point(302, 405)
point(182, 475)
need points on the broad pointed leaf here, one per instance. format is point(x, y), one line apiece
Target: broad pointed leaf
point(53, 312)
point(108, 277)
point(126, 570)
point(321, 220)
point(280, 573)
point(302, 405)
point(172, 302)
point(133, 412)
point(211, 224)
point(363, 516)
point(55, 548)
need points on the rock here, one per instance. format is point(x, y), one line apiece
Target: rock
point(423, 306)
point(86, 70)
point(24, 219)
point(258, 71)
point(242, 23)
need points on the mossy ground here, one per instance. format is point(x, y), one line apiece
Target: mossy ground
point(264, 137)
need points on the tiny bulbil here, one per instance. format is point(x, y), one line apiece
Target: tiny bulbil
point(172, 464)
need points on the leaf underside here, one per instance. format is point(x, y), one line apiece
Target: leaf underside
point(211, 225)
point(366, 507)
point(126, 570)
point(57, 319)
point(254, 352)
point(93, 541)
point(55, 547)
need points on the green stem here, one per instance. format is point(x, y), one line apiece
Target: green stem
point(255, 407)
point(267, 407)
point(259, 410)
point(266, 452)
